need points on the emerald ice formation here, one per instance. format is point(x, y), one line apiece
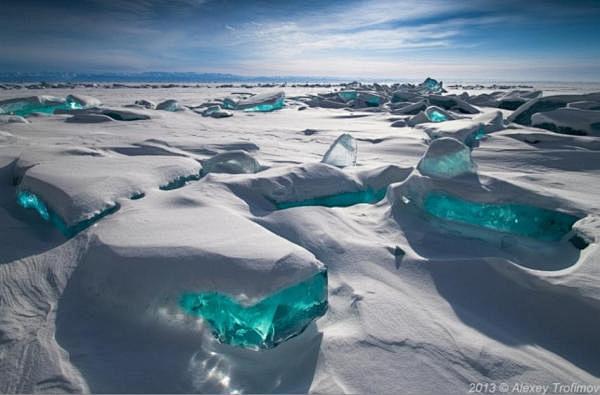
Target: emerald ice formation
point(39, 104)
point(265, 323)
point(518, 219)
point(30, 200)
point(262, 102)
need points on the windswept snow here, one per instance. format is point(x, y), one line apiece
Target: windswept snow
point(387, 238)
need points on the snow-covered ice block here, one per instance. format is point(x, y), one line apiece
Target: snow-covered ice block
point(149, 104)
point(492, 121)
point(446, 158)
point(464, 130)
point(170, 105)
point(12, 119)
point(343, 151)
point(114, 113)
point(94, 184)
point(143, 262)
point(268, 322)
point(232, 162)
point(569, 121)
point(431, 114)
point(523, 114)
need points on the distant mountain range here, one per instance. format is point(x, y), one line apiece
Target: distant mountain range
point(153, 76)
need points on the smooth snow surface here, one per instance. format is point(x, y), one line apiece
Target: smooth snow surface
point(148, 250)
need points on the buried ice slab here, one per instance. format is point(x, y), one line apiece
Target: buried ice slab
point(264, 324)
point(345, 199)
point(343, 152)
point(521, 220)
point(30, 200)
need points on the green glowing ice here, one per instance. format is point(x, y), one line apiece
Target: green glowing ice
point(25, 108)
point(436, 116)
point(266, 107)
point(266, 323)
point(340, 200)
point(522, 220)
point(348, 95)
point(30, 200)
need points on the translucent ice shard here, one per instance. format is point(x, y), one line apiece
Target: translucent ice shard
point(522, 220)
point(345, 199)
point(446, 158)
point(266, 323)
point(343, 152)
point(30, 200)
point(232, 162)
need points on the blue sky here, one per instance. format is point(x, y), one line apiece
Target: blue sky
point(474, 39)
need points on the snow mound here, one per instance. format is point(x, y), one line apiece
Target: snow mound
point(446, 158)
point(569, 121)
